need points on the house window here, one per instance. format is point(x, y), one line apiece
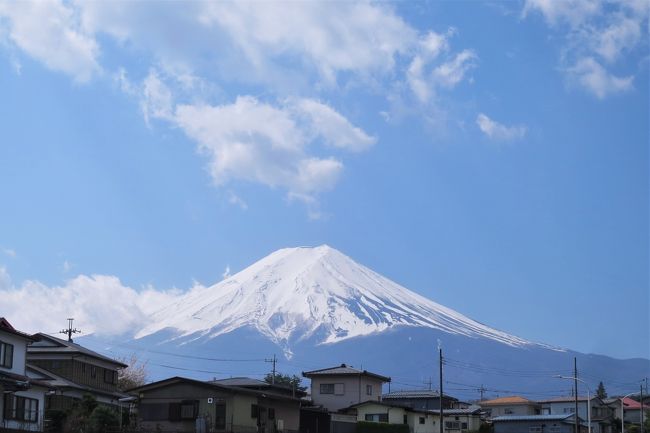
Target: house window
point(21, 408)
point(154, 411)
point(83, 368)
point(555, 429)
point(327, 388)
point(109, 376)
point(569, 409)
point(271, 413)
point(452, 425)
point(189, 409)
point(377, 417)
point(93, 371)
point(421, 420)
point(405, 419)
point(368, 389)
point(255, 411)
point(6, 355)
point(463, 425)
point(339, 388)
point(508, 411)
point(220, 417)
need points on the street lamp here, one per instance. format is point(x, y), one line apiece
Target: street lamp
point(622, 413)
point(588, 399)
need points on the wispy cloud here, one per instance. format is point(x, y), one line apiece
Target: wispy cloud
point(597, 35)
point(497, 131)
point(8, 252)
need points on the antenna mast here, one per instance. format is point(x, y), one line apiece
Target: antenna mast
point(70, 330)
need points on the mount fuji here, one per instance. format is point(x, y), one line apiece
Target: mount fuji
point(320, 308)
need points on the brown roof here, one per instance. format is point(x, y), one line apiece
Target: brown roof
point(515, 399)
point(343, 370)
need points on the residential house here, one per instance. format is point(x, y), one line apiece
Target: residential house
point(602, 415)
point(421, 399)
point(511, 405)
point(418, 421)
point(72, 370)
point(631, 409)
point(340, 387)
point(561, 423)
point(186, 405)
point(462, 420)
point(22, 399)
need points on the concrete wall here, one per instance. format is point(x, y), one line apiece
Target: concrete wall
point(354, 391)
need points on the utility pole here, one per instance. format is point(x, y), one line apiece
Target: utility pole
point(575, 385)
point(70, 330)
point(641, 398)
point(429, 383)
point(274, 361)
point(481, 390)
point(441, 410)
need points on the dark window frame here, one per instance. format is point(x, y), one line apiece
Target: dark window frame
point(6, 355)
point(15, 407)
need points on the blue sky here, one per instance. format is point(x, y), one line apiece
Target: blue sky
point(492, 156)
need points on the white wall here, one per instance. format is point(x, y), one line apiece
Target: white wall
point(20, 352)
point(354, 391)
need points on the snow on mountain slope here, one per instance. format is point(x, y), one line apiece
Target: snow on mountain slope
point(299, 293)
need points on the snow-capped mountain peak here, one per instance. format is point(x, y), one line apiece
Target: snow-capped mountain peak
point(301, 293)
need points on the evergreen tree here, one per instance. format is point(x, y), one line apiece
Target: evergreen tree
point(600, 392)
point(286, 380)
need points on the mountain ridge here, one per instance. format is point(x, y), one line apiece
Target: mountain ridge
point(302, 293)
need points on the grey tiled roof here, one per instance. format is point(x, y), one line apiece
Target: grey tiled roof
point(343, 370)
point(412, 394)
point(65, 347)
point(240, 381)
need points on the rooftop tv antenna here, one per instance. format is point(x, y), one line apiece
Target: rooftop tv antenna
point(70, 330)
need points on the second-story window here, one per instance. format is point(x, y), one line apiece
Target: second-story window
point(327, 388)
point(110, 376)
point(93, 371)
point(6, 355)
point(368, 389)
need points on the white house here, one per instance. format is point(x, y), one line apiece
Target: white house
point(340, 387)
point(23, 399)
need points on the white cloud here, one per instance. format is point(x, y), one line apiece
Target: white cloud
point(157, 99)
point(257, 142)
point(598, 33)
point(359, 37)
point(497, 131)
point(426, 72)
point(591, 75)
point(226, 272)
point(335, 129)
point(67, 266)
point(50, 32)
point(9, 252)
point(99, 303)
point(234, 199)
point(449, 74)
